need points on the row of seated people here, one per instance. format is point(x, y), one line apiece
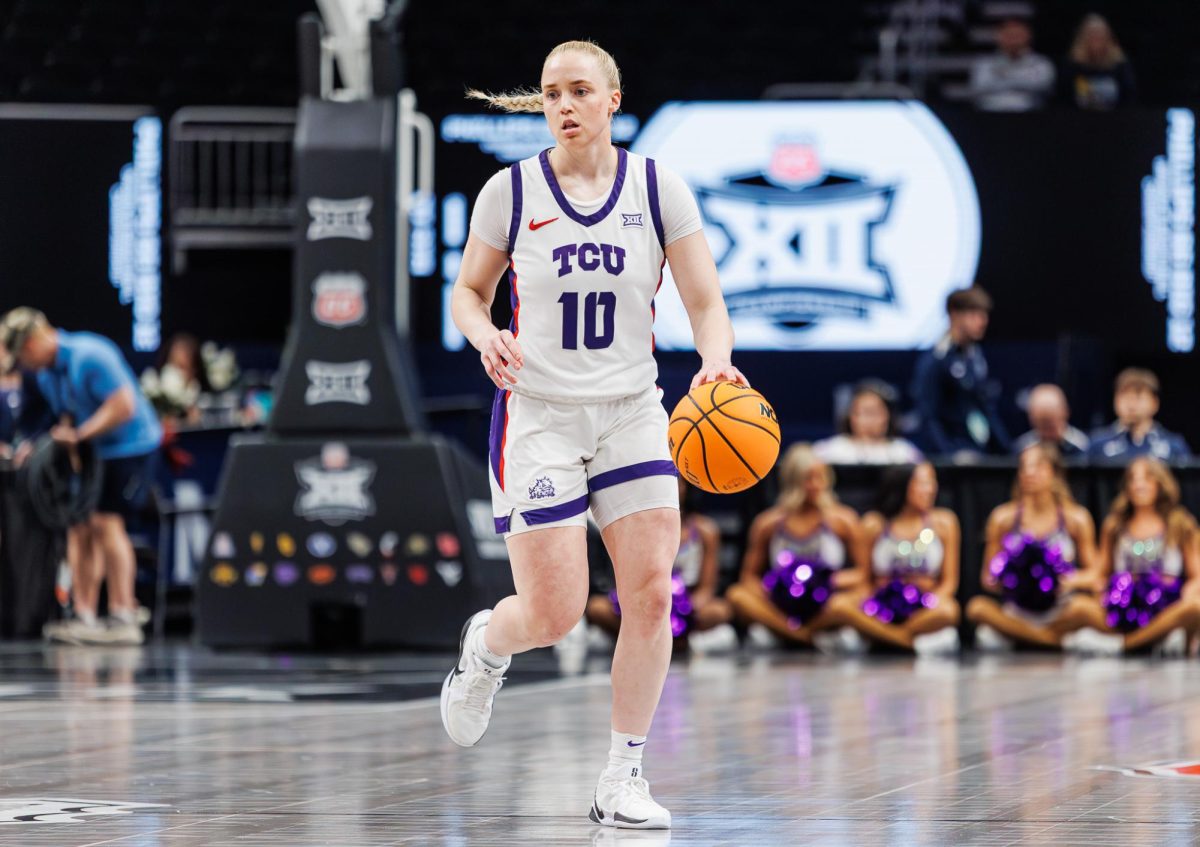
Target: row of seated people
point(816, 573)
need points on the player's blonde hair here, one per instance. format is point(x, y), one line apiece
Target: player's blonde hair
point(530, 99)
point(797, 463)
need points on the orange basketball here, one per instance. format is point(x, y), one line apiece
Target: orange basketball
point(724, 437)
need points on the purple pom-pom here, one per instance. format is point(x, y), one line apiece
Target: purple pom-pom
point(681, 606)
point(898, 601)
point(1027, 570)
point(799, 587)
point(1133, 600)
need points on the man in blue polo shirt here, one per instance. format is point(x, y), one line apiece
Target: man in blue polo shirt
point(95, 398)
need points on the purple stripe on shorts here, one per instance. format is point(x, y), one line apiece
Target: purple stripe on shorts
point(514, 224)
point(657, 467)
point(556, 513)
point(564, 204)
point(496, 433)
point(502, 524)
point(655, 209)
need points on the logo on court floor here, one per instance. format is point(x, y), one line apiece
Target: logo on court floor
point(337, 382)
point(335, 486)
point(339, 299)
point(542, 489)
point(833, 225)
point(26, 810)
point(340, 218)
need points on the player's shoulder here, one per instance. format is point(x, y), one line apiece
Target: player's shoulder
point(943, 520)
point(1003, 516)
point(769, 520)
point(842, 517)
point(1077, 518)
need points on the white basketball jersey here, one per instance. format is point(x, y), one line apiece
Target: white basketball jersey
point(583, 286)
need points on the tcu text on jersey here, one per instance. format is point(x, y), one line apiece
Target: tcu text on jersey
point(588, 257)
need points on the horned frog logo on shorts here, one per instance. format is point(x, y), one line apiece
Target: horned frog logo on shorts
point(542, 489)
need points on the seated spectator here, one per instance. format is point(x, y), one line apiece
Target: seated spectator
point(94, 398)
point(807, 525)
point(1014, 79)
point(1149, 567)
point(180, 379)
point(954, 397)
point(868, 432)
point(696, 565)
point(1050, 422)
point(1136, 432)
point(1041, 527)
point(1096, 75)
point(908, 542)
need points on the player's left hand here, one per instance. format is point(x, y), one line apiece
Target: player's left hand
point(717, 371)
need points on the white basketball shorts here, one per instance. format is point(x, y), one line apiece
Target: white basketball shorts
point(551, 462)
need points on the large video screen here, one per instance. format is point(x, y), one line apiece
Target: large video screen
point(843, 225)
point(81, 205)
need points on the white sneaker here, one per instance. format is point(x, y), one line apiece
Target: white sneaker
point(624, 801)
point(760, 636)
point(1093, 642)
point(843, 641)
point(115, 632)
point(716, 640)
point(468, 691)
point(1174, 645)
point(990, 640)
point(939, 643)
point(74, 631)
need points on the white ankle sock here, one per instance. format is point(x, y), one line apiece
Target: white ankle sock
point(481, 651)
point(625, 754)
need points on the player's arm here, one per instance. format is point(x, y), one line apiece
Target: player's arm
point(695, 275)
point(946, 525)
point(471, 307)
point(754, 562)
point(999, 522)
point(710, 539)
point(1083, 531)
point(868, 532)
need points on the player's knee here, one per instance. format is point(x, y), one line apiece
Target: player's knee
point(978, 608)
point(949, 612)
point(550, 622)
point(649, 603)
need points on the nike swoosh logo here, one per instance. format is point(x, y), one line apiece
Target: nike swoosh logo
point(540, 224)
point(631, 744)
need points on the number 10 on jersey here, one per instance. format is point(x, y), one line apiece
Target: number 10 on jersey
point(599, 307)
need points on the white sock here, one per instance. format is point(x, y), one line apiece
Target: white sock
point(625, 754)
point(127, 616)
point(86, 617)
point(482, 653)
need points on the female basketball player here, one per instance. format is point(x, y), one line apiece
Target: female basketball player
point(1147, 530)
point(809, 523)
point(908, 542)
point(696, 563)
point(1042, 506)
point(583, 230)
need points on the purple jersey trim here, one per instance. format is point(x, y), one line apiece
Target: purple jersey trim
point(502, 524)
point(496, 432)
point(514, 223)
point(657, 467)
point(569, 509)
point(569, 210)
point(655, 210)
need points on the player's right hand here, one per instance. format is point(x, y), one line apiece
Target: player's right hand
point(501, 356)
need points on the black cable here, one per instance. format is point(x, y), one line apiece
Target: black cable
point(60, 496)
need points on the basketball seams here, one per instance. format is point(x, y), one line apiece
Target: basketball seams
point(750, 423)
point(708, 416)
point(717, 429)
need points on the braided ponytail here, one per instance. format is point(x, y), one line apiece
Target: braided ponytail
point(530, 100)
